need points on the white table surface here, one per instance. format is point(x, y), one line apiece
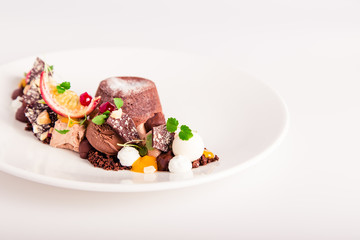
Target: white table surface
point(309, 51)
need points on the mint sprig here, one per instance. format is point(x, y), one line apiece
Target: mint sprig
point(143, 150)
point(100, 119)
point(65, 131)
point(83, 120)
point(50, 68)
point(185, 132)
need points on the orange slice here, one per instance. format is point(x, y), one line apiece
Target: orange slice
point(66, 104)
point(143, 162)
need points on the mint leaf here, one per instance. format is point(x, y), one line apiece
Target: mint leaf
point(61, 88)
point(172, 124)
point(62, 131)
point(142, 151)
point(65, 85)
point(118, 102)
point(149, 142)
point(185, 133)
point(99, 119)
point(107, 113)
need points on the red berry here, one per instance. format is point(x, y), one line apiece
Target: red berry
point(85, 99)
point(106, 106)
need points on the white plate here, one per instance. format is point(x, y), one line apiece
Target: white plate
point(240, 118)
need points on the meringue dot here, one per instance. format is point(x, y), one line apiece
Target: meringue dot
point(180, 164)
point(127, 156)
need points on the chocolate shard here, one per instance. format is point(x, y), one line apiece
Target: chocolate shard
point(32, 96)
point(162, 138)
point(124, 127)
point(37, 69)
point(34, 107)
point(32, 113)
point(156, 120)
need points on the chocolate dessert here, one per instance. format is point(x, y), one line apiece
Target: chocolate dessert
point(122, 128)
point(103, 138)
point(71, 140)
point(140, 96)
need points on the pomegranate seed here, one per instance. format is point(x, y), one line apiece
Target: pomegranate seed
point(85, 99)
point(107, 106)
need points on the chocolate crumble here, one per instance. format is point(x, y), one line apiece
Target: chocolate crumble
point(107, 162)
point(203, 161)
point(28, 127)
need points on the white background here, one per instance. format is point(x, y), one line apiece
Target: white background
point(309, 51)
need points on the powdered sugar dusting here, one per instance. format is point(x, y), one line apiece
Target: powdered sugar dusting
point(127, 85)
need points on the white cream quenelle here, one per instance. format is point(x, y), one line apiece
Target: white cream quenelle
point(193, 148)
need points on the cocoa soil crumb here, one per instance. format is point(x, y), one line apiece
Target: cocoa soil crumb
point(104, 161)
point(203, 161)
point(28, 127)
point(46, 141)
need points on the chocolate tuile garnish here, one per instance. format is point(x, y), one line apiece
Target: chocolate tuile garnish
point(38, 68)
point(124, 127)
point(161, 138)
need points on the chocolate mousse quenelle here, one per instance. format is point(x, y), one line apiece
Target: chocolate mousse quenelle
point(121, 128)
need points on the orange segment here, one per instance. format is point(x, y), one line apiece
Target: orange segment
point(208, 154)
point(144, 162)
point(66, 104)
point(68, 99)
point(22, 83)
point(69, 121)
